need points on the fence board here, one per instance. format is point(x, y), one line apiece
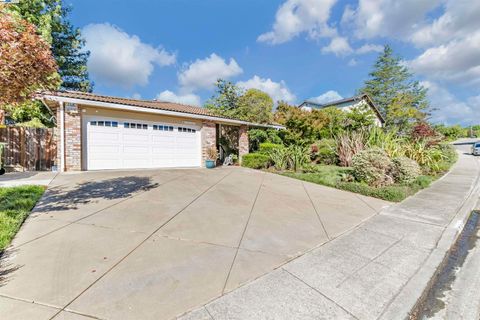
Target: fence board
point(28, 149)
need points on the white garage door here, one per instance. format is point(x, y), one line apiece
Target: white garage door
point(119, 144)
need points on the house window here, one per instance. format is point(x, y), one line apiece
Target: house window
point(162, 127)
point(105, 123)
point(182, 129)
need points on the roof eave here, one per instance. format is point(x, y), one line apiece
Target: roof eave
point(126, 107)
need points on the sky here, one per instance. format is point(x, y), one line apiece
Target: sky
point(323, 50)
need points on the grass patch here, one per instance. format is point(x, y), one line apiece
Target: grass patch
point(15, 205)
point(331, 176)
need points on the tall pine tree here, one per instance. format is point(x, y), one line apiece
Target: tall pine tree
point(400, 99)
point(67, 44)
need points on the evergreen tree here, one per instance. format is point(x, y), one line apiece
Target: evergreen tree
point(400, 99)
point(67, 45)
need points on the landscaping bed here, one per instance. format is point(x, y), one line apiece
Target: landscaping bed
point(372, 161)
point(331, 176)
point(15, 206)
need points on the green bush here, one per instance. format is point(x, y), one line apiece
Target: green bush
point(266, 147)
point(255, 160)
point(372, 166)
point(298, 156)
point(325, 151)
point(279, 158)
point(405, 170)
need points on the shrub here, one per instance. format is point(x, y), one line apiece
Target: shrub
point(325, 151)
point(298, 156)
point(405, 170)
point(429, 158)
point(279, 158)
point(255, 160)
point(266, 147)
point(372, 166)
point(390, 141)
point(348, 145)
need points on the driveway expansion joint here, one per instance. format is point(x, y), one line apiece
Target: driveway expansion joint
point(140, 244)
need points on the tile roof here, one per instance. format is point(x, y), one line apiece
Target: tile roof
point(150, 104)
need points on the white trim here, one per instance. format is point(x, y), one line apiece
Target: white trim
point(62, 137)
point(155, 111)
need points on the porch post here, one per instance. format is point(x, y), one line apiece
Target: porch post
point(242, 141)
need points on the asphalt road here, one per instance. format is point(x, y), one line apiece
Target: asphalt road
point(462, 300)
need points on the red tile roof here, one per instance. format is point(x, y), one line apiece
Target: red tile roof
point(150, 104)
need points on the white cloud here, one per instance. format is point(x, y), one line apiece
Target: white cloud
point(458, 60)
point(203, 73)
point(277, 90)
point(117, 58)
point(451, 110)
point(367, 48)
point(352, 62)
point(387, 18)
point(460, 18)
point(189, 98)
point(339, 46)
point(298, 16)
point(326, 97)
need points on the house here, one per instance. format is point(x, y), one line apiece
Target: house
point(96, 132)
point(346, 105)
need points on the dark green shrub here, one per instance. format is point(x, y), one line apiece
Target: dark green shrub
point(325, 152)
point(267, 147)
point(405, 170)
point(372, 166)
point(255, 160)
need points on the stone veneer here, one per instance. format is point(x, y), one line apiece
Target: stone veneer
point(73, 141)
point(209, 138)
point(242, 141)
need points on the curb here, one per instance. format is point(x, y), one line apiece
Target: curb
point(412, 293)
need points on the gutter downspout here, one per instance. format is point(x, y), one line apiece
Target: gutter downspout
point(62, 137)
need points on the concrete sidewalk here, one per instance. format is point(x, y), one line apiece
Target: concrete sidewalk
point(15, 179)
point(376, 271)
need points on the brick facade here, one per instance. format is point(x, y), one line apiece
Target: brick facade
point(209, 138)
point(73, 141)
point(242, 141)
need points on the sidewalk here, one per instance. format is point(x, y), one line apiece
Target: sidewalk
point(15, 179)
point(376, 271)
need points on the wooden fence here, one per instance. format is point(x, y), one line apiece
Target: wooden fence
point(28, 149)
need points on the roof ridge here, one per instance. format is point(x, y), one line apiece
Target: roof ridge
point(126, 99)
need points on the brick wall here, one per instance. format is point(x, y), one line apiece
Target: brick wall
point(209, 138)
point(242, 141)
point(73, 141)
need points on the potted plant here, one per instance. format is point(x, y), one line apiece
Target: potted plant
point(212, 155)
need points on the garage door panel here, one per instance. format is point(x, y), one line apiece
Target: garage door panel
point(134, 149)
point(120, 147)
point(129, 137)
point(103, 149)
point(99, 137)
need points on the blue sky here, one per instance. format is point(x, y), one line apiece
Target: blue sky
point(292, 49)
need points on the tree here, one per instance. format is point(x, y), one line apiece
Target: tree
point(231, 101)
point(225, 101)
point(67, 45)
point(26, 63)
point(400, 99)
point(255, 106)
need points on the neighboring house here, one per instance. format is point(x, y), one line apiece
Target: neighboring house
point(97, 132)
point(346, 105)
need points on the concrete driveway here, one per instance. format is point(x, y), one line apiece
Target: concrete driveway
point(156, 244)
